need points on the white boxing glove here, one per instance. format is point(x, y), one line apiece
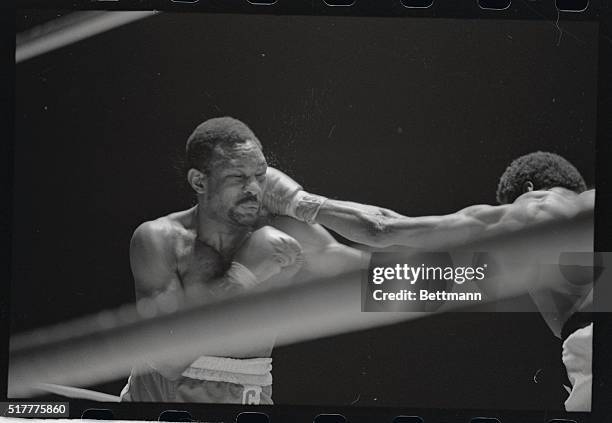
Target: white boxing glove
point(263, 255)
point(283, 196)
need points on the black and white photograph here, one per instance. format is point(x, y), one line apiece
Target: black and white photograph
point(305, 211)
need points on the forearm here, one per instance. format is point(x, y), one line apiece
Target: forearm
point(234, 281)
point(353, 221)
point(377, 227)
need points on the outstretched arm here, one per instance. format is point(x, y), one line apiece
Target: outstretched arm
point(371, 225)
point(379, 227)
point(382, 228)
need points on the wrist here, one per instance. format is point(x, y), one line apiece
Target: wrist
point(306, 206)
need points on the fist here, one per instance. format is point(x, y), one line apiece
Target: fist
point(283, 196)
point(279, 192)
point(267, 251)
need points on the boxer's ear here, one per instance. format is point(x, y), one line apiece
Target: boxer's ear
point(197, 180)
point(528, 186)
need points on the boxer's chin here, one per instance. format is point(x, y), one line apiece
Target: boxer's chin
point(241, 217)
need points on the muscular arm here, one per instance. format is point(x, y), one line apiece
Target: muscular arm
point(155, 277)
point(382, 228)
point(518, 262)
point(153, 262)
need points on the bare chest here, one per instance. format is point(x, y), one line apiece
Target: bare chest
point(199, 264)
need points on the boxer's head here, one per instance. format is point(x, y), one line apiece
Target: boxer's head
point(227, 170)
point(538, 171)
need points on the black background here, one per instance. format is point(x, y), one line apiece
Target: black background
point(416, 115)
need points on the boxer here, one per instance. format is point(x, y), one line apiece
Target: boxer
point(535, 202)
point(227, 244)
point(535, 189)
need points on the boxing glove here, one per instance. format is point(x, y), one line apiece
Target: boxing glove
point(263, 255)
point(284, 196)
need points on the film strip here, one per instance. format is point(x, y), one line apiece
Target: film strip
point(356, 100)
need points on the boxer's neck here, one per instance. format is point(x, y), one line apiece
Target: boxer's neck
point(221, 236)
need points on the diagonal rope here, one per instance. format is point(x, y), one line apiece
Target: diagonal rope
point(105, 346)
point(70, 29)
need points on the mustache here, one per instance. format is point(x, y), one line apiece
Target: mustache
point(248, 199)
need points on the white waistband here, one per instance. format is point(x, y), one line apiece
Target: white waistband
point(252, 371)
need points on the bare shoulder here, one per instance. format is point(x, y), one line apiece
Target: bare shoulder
point(153, 257)
point(532, 207)
point(160, 237)
point(555, 203)
point(587, 198)
point(159, 233)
